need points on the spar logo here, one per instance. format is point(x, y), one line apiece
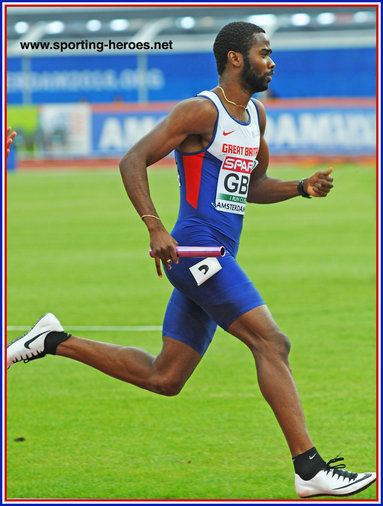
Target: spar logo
point(236, 164)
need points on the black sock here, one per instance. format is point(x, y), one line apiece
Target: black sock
point(308, 464)
point(53, 339)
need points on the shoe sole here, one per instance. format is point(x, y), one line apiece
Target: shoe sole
point(340, 495)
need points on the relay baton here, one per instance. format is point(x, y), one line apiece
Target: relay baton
point(198, 251)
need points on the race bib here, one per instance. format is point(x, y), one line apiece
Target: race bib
point(233, 184)
point(204, 270)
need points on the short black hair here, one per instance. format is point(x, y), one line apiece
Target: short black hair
point(236, 36)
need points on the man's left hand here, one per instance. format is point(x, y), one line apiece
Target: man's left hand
point(319, 184)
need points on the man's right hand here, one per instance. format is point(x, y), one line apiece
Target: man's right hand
point(9, 140)
point(163, 246)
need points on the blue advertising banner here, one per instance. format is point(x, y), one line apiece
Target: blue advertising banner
point(145, 77)
point(319, 127)
point(308, 127)
point(115, 130)
point(185, 75)
point(98, 78)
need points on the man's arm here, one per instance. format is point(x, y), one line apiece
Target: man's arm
point(267, 190)
point(195, 116)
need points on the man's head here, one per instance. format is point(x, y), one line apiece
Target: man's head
point(243, 48)
point(237, 36)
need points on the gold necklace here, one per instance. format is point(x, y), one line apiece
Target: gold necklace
point(230, 102)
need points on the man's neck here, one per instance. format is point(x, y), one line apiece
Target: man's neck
point(233, 92)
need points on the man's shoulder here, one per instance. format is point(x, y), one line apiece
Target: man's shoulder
point(198, 105)
point(259, 104)
point(261, 113)
point(196, 115)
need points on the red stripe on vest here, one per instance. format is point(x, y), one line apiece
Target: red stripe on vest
point(192, 168)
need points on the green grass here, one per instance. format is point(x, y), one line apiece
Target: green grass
point(76, 247)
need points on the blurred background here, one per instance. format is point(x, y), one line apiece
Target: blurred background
point(85, 107)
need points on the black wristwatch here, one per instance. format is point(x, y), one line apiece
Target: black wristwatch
point(301, 190)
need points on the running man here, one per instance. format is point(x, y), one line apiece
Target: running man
point(222, 158)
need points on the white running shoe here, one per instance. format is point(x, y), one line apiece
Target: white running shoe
point(334, 480)
point(32, 344)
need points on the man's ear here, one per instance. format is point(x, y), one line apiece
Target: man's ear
point(235, 59)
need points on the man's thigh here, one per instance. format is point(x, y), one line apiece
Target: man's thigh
point(225, 296)
point(187, 322)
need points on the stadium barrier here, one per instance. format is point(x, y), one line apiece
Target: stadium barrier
point(99, 134)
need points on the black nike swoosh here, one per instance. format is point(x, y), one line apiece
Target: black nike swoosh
point(357, 481)
point(33, 339)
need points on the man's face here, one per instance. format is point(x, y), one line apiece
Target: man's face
point(257, 65)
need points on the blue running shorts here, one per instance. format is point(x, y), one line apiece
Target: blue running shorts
point(193, 311)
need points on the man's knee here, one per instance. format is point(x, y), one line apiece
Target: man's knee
point(284, 343)
point(166, 385)
point(275, 343)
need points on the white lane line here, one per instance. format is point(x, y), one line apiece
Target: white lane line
point(105, 328)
